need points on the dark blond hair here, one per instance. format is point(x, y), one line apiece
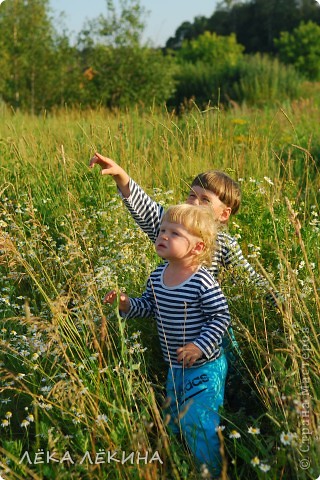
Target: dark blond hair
point(227, 190)
point(199, 221)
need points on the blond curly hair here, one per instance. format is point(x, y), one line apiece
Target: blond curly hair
point(199, 221)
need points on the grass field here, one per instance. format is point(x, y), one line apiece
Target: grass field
point(82, 391)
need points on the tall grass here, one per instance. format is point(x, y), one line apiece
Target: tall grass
point(77, 382)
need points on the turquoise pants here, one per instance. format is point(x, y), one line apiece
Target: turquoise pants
point(196, 395)
point(231, 348)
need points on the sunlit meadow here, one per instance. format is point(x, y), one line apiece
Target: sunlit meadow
point(82, 391)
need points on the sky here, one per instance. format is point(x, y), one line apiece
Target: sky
point(164, 17)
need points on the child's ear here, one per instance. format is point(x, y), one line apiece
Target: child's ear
point(198, 248)
point(224, 216)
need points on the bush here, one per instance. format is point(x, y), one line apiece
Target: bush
point(256, 80)
point(263, 80)
point(301, 48)
point(203, 83)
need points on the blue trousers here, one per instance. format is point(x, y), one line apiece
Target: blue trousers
point(231, 347)
point(196, 395)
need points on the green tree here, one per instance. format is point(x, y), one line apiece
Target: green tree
point(27, 53)
point(122, 27)
point(212, 49)
point(125, 76)
point(207, 68)
point(187, 31)
point(254, 22)
point(301, 48)
point(4, 66)
point(119, 71)
point(67, 74)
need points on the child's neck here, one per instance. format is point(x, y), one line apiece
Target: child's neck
point(178, 272)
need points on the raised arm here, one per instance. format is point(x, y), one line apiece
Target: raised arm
point(110, 167)
point(146, 212)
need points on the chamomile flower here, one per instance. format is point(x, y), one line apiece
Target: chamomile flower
point(234, 434)
point(254, 430)
point(264, 467)
point(286, 438)
point(255, 461)
point(25, 423)
point(136, 335)
point(298, 407)
point(268, 180)
point(102, 419)
point(205, 471)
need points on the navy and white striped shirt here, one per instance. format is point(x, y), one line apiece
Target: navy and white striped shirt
point(195, 311)
point(148, 215)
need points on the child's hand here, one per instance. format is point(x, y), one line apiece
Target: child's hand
point(108, 166)
point(124, 302)
point(189, 354)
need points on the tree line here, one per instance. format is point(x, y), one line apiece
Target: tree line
point(255, 23)
point(272, 44)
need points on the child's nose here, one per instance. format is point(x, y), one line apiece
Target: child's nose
point(164, 235)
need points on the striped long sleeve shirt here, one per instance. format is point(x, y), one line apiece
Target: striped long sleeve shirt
point(195, 311)
point(148, 215)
